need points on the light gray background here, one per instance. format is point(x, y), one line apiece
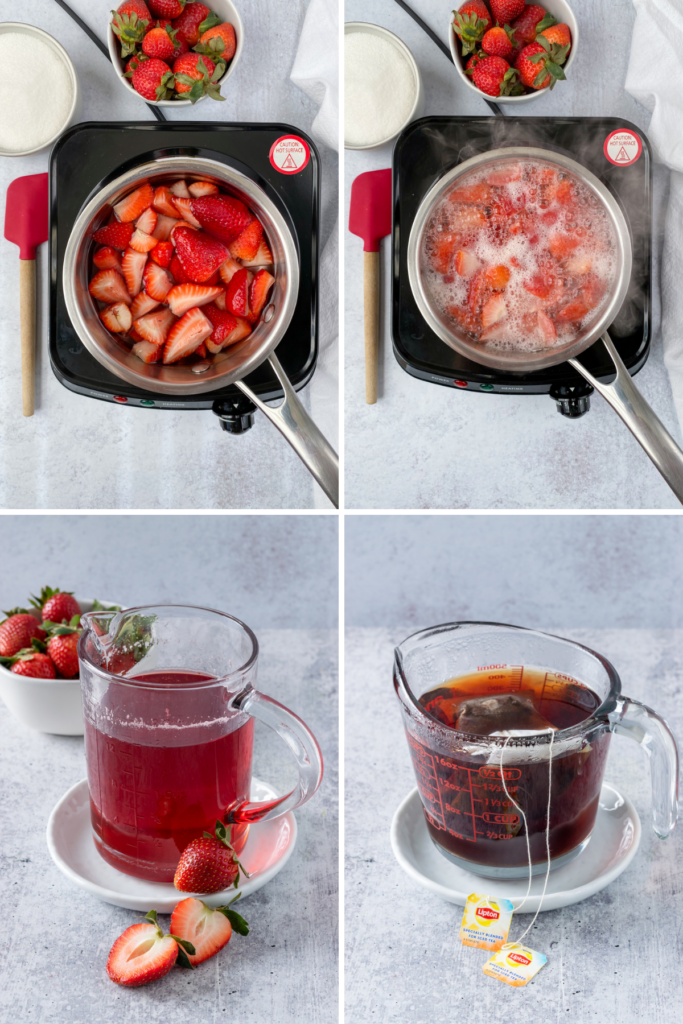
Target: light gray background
point(425, 446)
point(77, 452)
point(614, 957)
point(273, 572)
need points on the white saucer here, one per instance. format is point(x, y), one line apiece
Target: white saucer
point(611, 849)
point(69, 839)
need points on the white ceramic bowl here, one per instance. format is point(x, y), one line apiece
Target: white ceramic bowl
point(224, 8)
point(74, 111)
point(563, 13)
point(46, 705)
point(418, 106)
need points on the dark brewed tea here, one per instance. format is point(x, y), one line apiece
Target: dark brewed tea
point(467, 810)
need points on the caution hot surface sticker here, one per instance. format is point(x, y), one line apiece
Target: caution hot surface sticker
point(623, 147)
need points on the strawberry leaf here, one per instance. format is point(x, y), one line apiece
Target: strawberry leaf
point(97, 607)
point(236, 920)
point(152, 917)
point(546, 23)
point(185, 944)
point(210, 21)
point(38, 645)
point(182, 960)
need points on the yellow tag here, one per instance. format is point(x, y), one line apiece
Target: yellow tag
point(514, 964)
point(486, 922)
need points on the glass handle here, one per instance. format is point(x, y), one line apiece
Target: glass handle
point(640, 723)
point(300, 741)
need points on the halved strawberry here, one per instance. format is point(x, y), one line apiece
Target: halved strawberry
point(115, 234)
point(135, 204)
point(540, 285)
point(263, 258)
point(200, 255)
point(117, 318)
point(493, 310)
point(228, 270)
point(222, 216)
point(155, 326)
point(163, 201)
point(183, 297)
point(107, 258)
point(177, 271)
point(247, 243)
point(133, 265)
point(148, 352)
point(202, 188)
point(142, 242)
point(179, 188)
point(497, 277)
point(227, 329)
point(108, 286)
point(158, 282)
point(162, 254)
point(466, 263)
point(133, 335)
point(237, 295)
point(143, 303)
point(180, 224)
point(215, 279)
point(574, 311)
point(147, 222)
point(258, 294)
point(183, 206)
point(164, 226)
point(142, 954)
point(208, 930)
point(187, 335)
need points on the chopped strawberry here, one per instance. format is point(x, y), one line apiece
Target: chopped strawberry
point(219, 301)
point(206, 929)
point(147, 352)
point(477, 292)
point(578, 265)
point(142, 242)
point(133, 264)
point(177, 271)
point(108, 286)
point(158, 282)
point(540, 284)
point(163, 201)
point(546, 328)
point(116, 235)
point(148, 221)
point(237, 295)
point(247, 243)
point(107, 258)
point(162, 254)
point(466, 263)
point(442, 255)
point(563, 245)
point(202, 188)
point(142, 954)
point(184, 297)
point(493, 310)
point(200, 255)
point(184, 208)
point(258, 294)
point(133, 335)
point(134, 204)
point(142, 303)
point(180, 224)
point(180, 189)
point(164, 227)
point(228, 270)
point(504, 175)
point(593, 290)
point(201, 352)
point(222, 216)
point(184, 338)
point(117, 318)
point(573, 312)
point(154, 327)
point(263, 258)
point(227, 329)
point(497, 278)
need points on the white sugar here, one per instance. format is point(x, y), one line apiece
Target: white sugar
point(36, 92)
point(380, 88)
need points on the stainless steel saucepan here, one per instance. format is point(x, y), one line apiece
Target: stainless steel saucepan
point(622, 394)
point(236, 362)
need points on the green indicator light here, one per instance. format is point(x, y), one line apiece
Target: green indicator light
point(486, 387)
point(146, 401)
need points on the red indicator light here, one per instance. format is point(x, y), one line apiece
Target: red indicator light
point(460, 383)
point(120, 398)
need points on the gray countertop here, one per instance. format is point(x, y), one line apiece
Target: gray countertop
point(79, 453)
point(614, 957)
point(56, 937)
point(425, 446)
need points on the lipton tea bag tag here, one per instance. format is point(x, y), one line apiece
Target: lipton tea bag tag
point(485, 922)
point(514, 964)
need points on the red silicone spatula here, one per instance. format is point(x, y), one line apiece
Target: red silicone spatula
point(370, 218)
point(26, 224)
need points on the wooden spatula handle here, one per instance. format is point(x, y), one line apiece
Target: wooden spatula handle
point(371, 297)
point(27, 304)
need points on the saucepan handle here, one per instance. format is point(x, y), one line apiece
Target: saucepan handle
point(646, 427)
point(297, 427)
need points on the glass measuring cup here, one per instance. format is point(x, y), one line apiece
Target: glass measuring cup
point(469, 816)
point(169, 707)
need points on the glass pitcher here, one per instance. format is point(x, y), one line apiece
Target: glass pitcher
point(169, 705)
point(473, 786)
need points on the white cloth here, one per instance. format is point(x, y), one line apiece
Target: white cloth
point(657, 83)
point(316, 72)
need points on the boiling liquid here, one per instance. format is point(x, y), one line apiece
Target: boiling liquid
point(549, 232)
point(151, 794)
point(466, 808)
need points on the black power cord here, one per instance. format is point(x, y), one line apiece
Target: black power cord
point(158, 113)
point(442, 46)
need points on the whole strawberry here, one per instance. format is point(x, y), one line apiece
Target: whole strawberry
point(56, 605)
point(470, 23)
point(195, 20)
point(505, 11)
point(153, 79)
point(30, 662)
point(167, 8)
point(531, 21)
point(218, 43)
point(63, 649)
point(208, 864)
point(559, 34)
point(196, 76)
point(130, 23)
point(160, 43)
point(495, 77)
point(540, 64)
point(496, 42)
point(17, 631)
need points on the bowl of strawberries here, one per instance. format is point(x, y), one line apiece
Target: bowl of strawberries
point(39, 681)
point(511, 51)
point(175, 52)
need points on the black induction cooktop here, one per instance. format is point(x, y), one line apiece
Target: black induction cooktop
point(90, 155)
point(429, 148)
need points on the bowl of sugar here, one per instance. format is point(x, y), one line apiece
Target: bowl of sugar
point(34, 108)
point(382, 86)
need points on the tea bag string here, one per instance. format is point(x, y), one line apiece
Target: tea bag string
point(526, 829)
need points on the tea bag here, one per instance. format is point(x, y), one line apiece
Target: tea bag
point(501, 714)
point(515, 964)
point(485, 922)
